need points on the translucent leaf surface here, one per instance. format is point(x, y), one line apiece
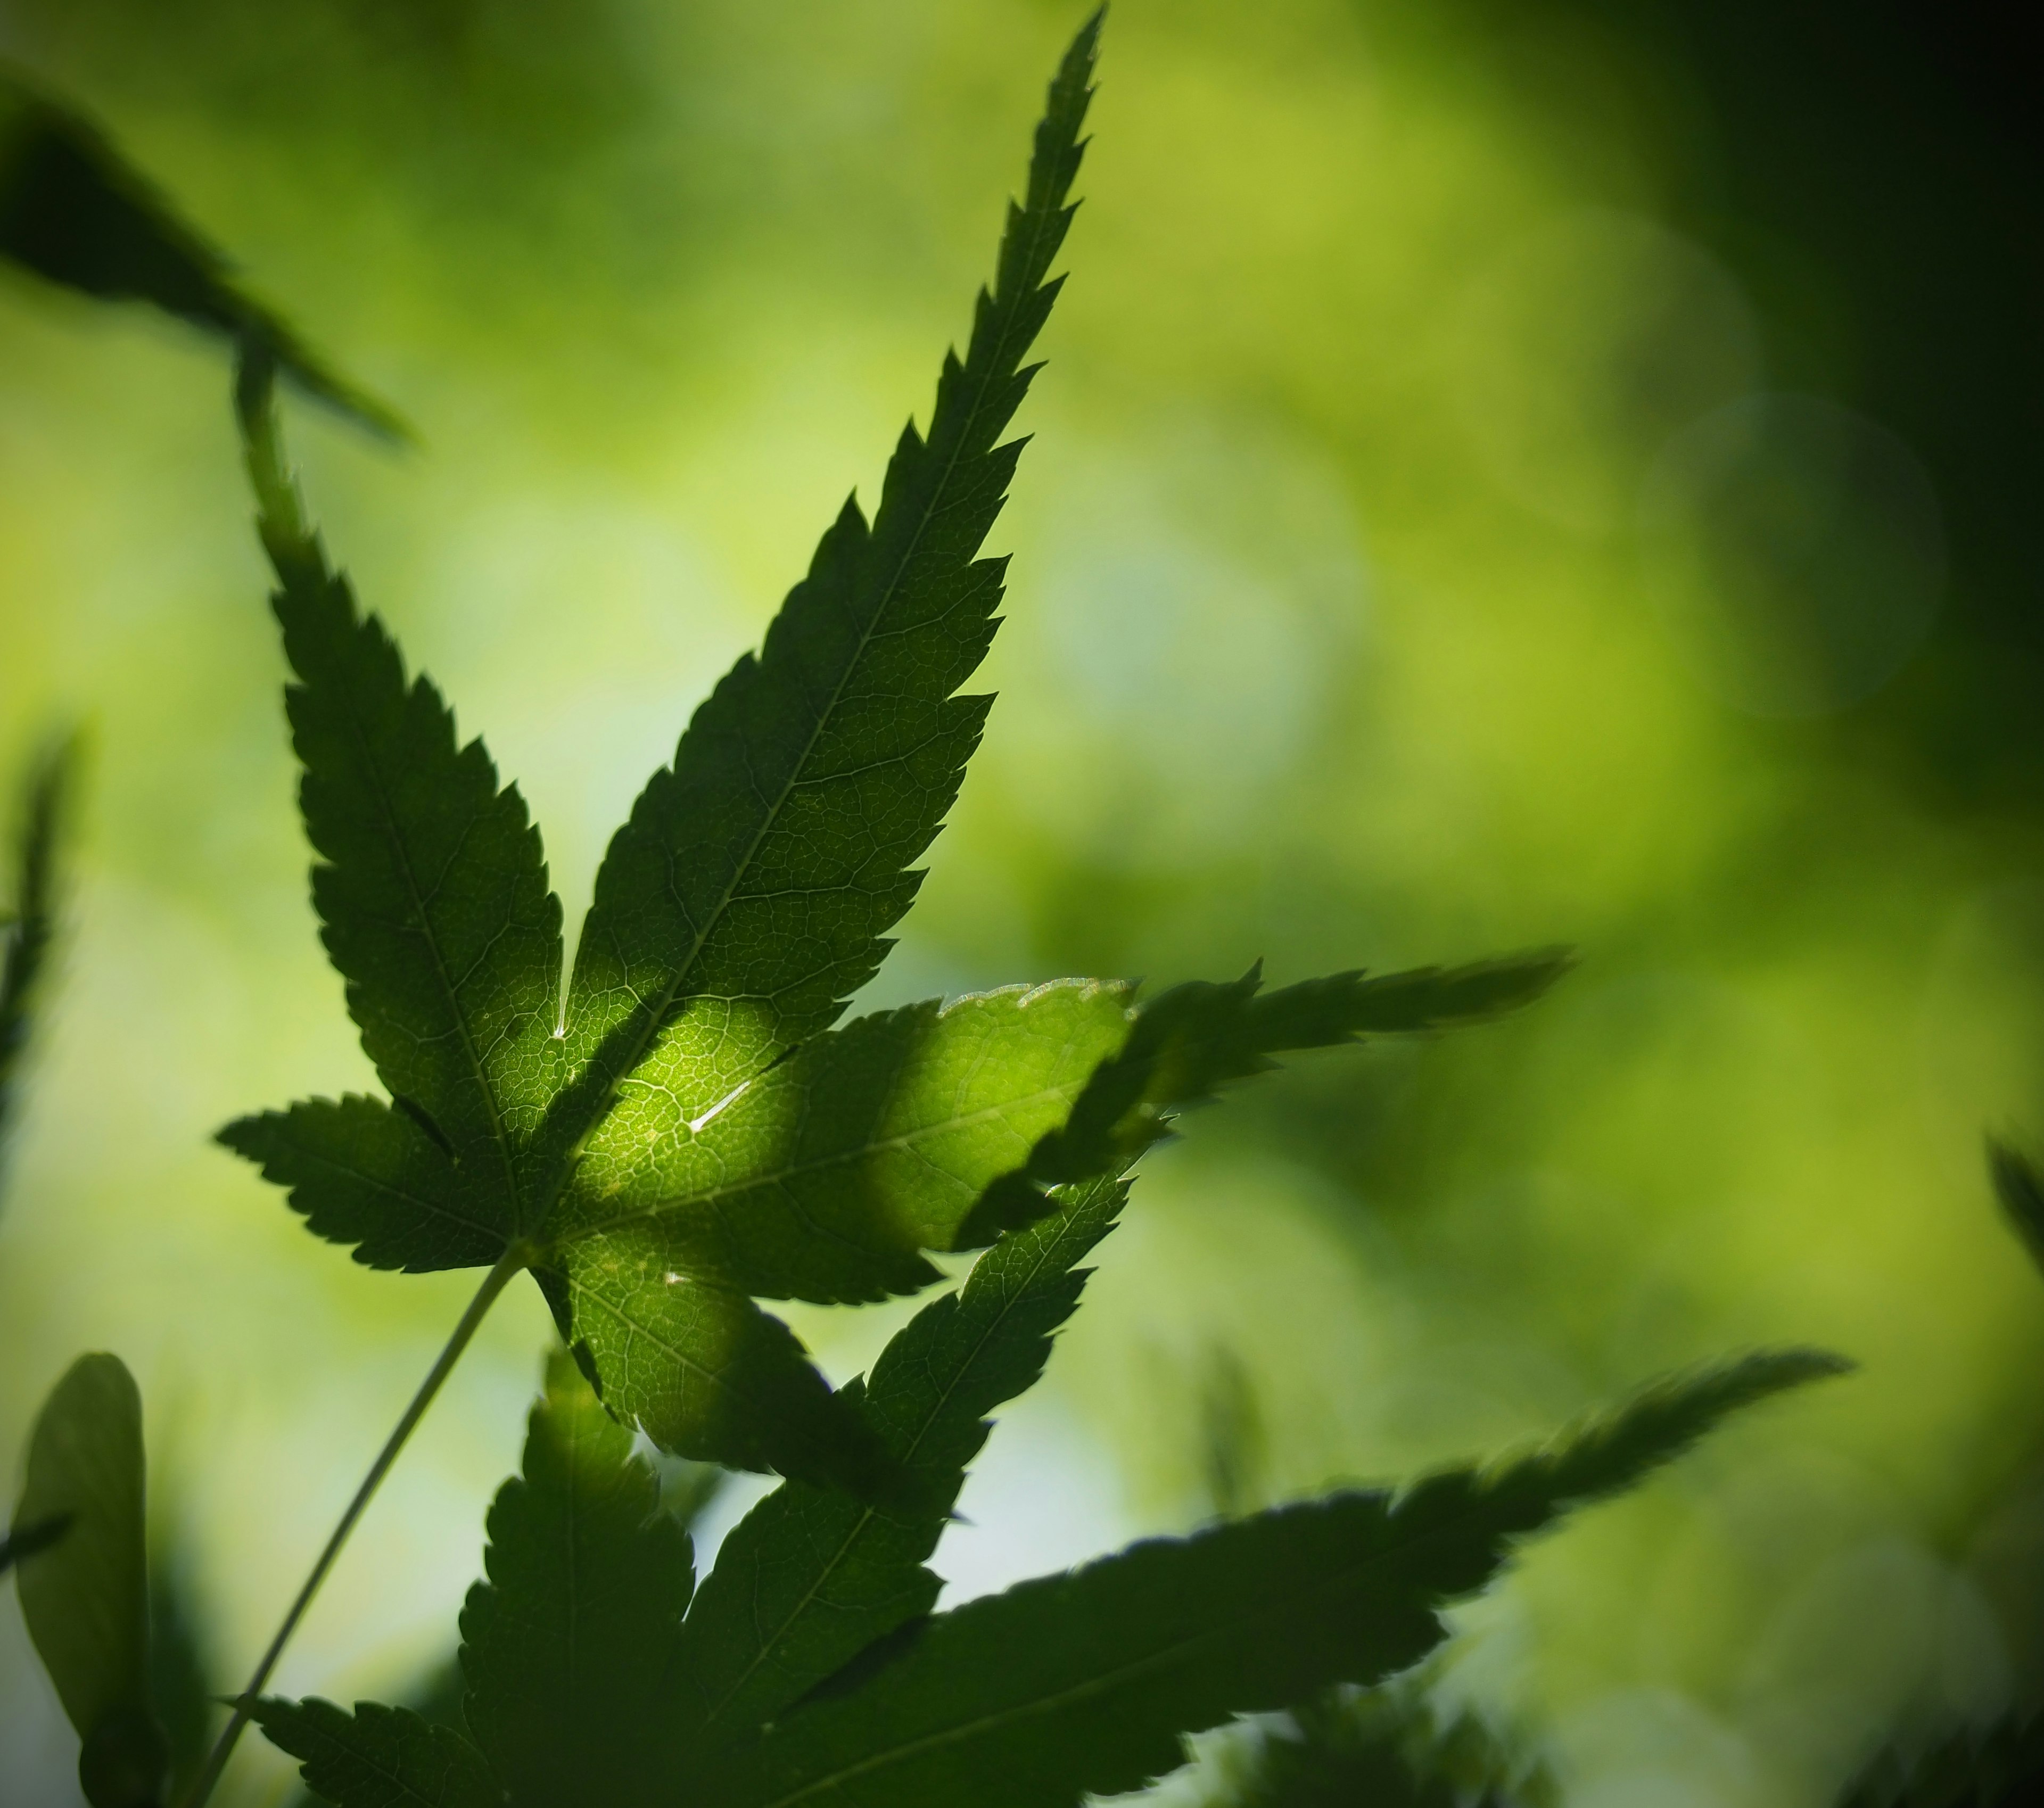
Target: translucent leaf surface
point(87, 1597)
point(1085, 1684)
point(749, 894)
point(567, 1647)
point(825, 1177)
point(379, 1757)
point(809, 1577)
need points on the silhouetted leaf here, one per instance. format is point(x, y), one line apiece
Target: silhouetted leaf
point(379, 1757)
point(809, 1577)
point(29, 925)
point(567, 1646)
point(86, 1598)
point(1085, 1684)
point(77, 213)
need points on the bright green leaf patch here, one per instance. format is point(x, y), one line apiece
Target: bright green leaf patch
point(824, 1177)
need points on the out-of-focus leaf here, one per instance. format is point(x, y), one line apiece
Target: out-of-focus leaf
point(87, 1599)
point(29, 926)
point(23, 1541)
point(182, 1691)
point(1382, 1747)
point(2001, 1766)
point(78, 213)
point(2020, 1189)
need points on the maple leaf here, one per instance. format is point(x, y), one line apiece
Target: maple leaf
point(682, 1132)
point(808, 1668)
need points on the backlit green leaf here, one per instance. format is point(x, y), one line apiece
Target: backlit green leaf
point(431, 887)
point(379, 1757)
point(85, 1598)
point(809, 1577)
point(750, 893)
point(689, 1135)
point(1085, 1683)
point(567, 1646)
point(826, 1176)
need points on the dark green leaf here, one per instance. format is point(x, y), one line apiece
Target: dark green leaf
point(364, 1174)
point(750, 893)
point(23, 1541)
point(181, 1685)
point(2020, 1189)
point(1382, 1748)
point(809, 1578)
point(87, 1599)
point(2000, 1766)
point(431, 887)
point(26, 934)
point(567, 1646)
point(378, 1758)
point(1085, 1684)
point(77, 213)
point(709, 1376)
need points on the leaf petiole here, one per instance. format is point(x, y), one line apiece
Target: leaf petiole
point(514, 1260)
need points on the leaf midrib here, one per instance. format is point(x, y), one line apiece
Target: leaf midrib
point(866, 1513)
point(376, 1183)
point(1351, 1580)
point(676, 1202)
point(657, 1020)
point(479, 1071)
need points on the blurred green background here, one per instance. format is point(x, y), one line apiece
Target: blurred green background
point(1508, 473)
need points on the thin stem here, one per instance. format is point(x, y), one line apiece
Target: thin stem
point(499, 1277)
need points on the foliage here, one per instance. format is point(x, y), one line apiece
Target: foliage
point(2001, 1765)
point(77, 213)
point(811, 1670)
point(680, 1130)
point(27, 929)
point(86, 1597)
point(1383, 1747)
point(683, 1132)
